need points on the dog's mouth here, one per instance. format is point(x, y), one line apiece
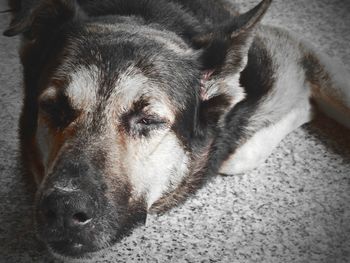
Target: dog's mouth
point(75, 245)
point(72, 249)
point(73, 235)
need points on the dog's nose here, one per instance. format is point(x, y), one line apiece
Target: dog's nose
point(69, 210)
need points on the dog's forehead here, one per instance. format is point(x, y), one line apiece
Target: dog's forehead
point(117, 71)
point(88, 88)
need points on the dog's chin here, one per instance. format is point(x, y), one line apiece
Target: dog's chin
point(75, 252)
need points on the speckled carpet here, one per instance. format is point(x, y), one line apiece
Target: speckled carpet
point(294, 208)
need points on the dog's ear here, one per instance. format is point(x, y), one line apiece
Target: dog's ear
point(229, 42)
point(224, 55)
point(34, 18)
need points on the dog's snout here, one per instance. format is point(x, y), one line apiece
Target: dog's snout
point(70, 210)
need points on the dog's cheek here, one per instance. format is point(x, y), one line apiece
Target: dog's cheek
point(43, 139)
point(41, 146)
point(155, 165)
point(49, 141)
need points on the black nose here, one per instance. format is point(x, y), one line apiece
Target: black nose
point(67, 209)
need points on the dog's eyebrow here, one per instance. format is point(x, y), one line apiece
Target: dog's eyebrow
point(81, 88)
point(48, 94)
point(140, 104)
point(136, 108)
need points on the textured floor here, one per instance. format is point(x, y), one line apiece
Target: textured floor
point(294, 208)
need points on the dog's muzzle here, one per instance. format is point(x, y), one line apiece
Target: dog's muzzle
point(73, 214)
point(66, 218)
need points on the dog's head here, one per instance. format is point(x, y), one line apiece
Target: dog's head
point(122, 125)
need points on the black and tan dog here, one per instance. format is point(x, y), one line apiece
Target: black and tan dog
point(132, 105)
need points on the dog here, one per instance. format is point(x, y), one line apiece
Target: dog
point(132, 105)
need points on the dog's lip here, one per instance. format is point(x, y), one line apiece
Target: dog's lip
point(71, 248)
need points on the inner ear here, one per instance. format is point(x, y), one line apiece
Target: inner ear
point(215, 100)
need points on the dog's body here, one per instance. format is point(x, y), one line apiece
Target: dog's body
point(132, 105)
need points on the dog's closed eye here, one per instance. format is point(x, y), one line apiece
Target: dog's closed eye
point(150, 120)
point(141, 124)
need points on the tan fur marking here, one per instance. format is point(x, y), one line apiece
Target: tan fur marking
point(36, 164)
point(57, 137)
point(317, 92)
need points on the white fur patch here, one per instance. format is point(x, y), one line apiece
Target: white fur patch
point(156, 164)
point(256, 150)
point(129, 87)
point(83, 87)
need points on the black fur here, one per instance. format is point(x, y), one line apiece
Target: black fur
point(218, 41)
point(58, 112)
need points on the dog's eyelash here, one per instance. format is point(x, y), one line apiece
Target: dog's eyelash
point(142, 124)
point(147, 121)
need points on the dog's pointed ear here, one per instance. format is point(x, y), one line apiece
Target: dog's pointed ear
point(224, 53)
point(41, 16)
point(229, 40)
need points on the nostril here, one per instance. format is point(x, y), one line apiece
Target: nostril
point(81, 218)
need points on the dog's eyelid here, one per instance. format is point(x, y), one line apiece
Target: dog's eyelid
point(141, 123)
point(151, 119)
point(48, 95)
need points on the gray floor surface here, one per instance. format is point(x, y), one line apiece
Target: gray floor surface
point(294, 208)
